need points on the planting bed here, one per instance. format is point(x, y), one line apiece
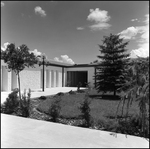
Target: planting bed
point(103, 111)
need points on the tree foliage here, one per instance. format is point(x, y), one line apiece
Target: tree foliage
point(17, 58)
point(137, 88)
point(110, 72)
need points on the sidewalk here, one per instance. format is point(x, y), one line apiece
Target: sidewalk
point(18, 132)
point(38, 93)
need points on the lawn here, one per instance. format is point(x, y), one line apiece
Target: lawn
point(101, 109)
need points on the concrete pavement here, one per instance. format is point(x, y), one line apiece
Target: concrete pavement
point(18, 132)
point(37, 93)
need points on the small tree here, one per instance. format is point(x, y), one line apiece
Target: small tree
point(110, 74)
point(85, 110)
point(54, 110)
point(17, 59)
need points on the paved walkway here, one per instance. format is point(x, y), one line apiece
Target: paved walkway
point(18, 132)
point(38, 93)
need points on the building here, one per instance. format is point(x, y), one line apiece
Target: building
point(55, 75)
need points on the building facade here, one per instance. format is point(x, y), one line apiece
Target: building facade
point(55, 75)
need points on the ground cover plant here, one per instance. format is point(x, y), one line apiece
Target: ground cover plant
point(102, 112)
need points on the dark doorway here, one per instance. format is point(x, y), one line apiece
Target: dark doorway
point(74, 77)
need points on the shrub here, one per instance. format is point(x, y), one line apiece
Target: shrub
point(132, 126)
point(60, 94)
point(54, 110)
point(42, 97)
point(24, 107)
point(72, 92)
point(78, 86)
point(11, 103)
point(85, 111)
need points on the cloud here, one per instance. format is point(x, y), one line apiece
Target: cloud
point(100, 19)
point(134, 20)
point(100, 26)
point(36, 52)
point(39, 11)
point(80, 28)
point(129, 33)
point(143, 42)
point(64, 59)
point(2, 4)
point(5, 46)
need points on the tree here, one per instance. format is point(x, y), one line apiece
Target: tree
point(137, 88)
point(114, 59)
point(17, 59)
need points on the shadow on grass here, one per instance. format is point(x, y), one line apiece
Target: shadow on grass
point(106, 97)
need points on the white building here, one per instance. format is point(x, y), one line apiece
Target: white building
point(55, 75)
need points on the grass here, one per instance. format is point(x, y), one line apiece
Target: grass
point(101, 109)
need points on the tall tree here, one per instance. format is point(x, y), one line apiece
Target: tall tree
point(111, 70)
point(17, 58)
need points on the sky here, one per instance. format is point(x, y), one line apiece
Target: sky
point(71, 32)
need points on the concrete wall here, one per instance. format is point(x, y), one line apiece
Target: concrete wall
point(33, 77)
point(30, 79)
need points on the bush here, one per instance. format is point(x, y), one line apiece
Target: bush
point(85, 111)
point(54, 110)
point(42, 97)
point(59, 94)
point(72, 92)
point(78, 86)
point(24, 105)
point(80, 91)
point(11, 103)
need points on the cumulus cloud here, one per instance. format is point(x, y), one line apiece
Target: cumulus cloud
point(3, 48)
point(2, 4)
point(80, 28)
point(39, 11)
point(36, 52)
point(143, 42)
point(129, 33)
point(64, 59)
point(100, 19)
point(134, 20)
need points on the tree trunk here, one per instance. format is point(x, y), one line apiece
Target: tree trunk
point(19, 85)
point(114, 92)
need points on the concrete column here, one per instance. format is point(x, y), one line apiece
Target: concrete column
point(60, 79)
point(4, 79)
point(57, 79)
point(47, 79)
point(52, 78)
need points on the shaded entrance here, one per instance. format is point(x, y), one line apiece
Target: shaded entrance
point(74, 77)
